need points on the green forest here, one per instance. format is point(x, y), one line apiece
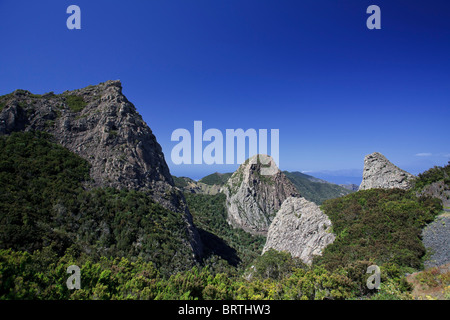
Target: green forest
point(129, 247)
point(216, 178)
point(315, 191)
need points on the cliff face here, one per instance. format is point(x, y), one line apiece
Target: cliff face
point(102, 126)
point(300, 228)
point(254, 198)
point(379, 172)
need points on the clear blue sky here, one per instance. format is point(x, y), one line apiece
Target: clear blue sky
point(335, 90)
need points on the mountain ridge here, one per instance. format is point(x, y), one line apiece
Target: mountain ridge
point(254, 198)
point(99, 124)
point(315, 189)
point(311, 188)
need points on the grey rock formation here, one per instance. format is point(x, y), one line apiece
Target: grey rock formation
point(301, 228)
point(102, 126)
point(438, 189)
point(255, 193)
point(379, 172)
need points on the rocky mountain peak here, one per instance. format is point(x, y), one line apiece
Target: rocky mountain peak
point(100, 124)
point(379, 172)
point(255, 193)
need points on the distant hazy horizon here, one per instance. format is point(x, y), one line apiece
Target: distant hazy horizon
point(341, 176)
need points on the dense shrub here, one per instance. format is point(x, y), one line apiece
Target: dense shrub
point(129, 247)
point(210, 216)
point(75, 103)
point(275, 264)
point(379, 225)
point(34, 175)
point(43, 203)
point(42, 275)
point(216, 178)
point(433, 175)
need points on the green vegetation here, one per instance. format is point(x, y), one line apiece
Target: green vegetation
point(113, 134)
point(34, 174)
point(43, 204)
point(129, 247)
point(266, 179)
point(314, 191)
point(434, 277)
point(2, 103)
point(216, 178)
point(21, 92)
point(4, 99)
point(180, 182)
point(42, 275)
point(275, 265)
point(236, 178)
point(5, 96)
point(75, 103)
point(233, 245)
point(432, 175)
point(379, 225)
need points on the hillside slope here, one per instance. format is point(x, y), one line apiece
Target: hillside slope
point(187, 185)
point(314, 189)
point(435, 182)
point(43, 205)
point(216, 178)
point(99, 124)
point(379, 225)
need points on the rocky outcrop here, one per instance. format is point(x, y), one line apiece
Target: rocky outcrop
point(379, 172)
point(99, 124)
point(438, 189)
point(102, 126)
point(301, 228)
point(255, 193)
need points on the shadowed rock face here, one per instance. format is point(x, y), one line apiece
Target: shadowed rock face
point(301, 228)
point(379, 172)
point(254, 198)
point(104, 128)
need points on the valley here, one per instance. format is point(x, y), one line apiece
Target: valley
point(83, 181)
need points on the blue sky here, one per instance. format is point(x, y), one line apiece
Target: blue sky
point(335, 90)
